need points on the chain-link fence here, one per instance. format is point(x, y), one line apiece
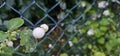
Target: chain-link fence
point(64, 17)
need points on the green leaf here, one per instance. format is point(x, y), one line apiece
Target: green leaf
point(3, 36)
point(8, 51)
point(88, 8)
point(25, 37)
point(104, 22)
point(14, 23)
point(112, 15)
point(113, 27)
point(85, 46)
point(83, 30)
point(95, 25)
point(101, 40)
point(98, 33)
point(75, 40)
point(118, 39)
point(63, 54)
point(99, 54)
point(26, 41)
point(108, 47)
point(112, 35)
point(89, 46)
point(103, 28)
point(111, 44)
point(88, 22)
point(118, 33)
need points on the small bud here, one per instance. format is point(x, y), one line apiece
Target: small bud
point(63, 5)
point(83, 4)
point(50, 46)
point(31, 49)
point(45, 27)
point(38, 32)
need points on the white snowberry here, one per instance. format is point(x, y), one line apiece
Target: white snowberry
point(9, 43)
point(90, 32)
point(38, 32)
point(70, 43)
point(106, 13)
point(45, 27)
point(103, 4)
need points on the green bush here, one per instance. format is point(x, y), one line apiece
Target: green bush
point(95, 33)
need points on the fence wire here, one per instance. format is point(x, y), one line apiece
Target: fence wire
point(60, 20)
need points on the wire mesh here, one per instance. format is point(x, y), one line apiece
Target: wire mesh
point(59, 24)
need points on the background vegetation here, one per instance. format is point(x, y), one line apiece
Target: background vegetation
point(87, 28)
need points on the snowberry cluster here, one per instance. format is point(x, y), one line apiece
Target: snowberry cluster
point(39, 32)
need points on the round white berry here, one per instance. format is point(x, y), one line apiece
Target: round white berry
point(38, 32)
point(90, 32)
point(70, 43)
point(9, 43)
point(106, 13)
point(45, 27)
point(103, 4)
